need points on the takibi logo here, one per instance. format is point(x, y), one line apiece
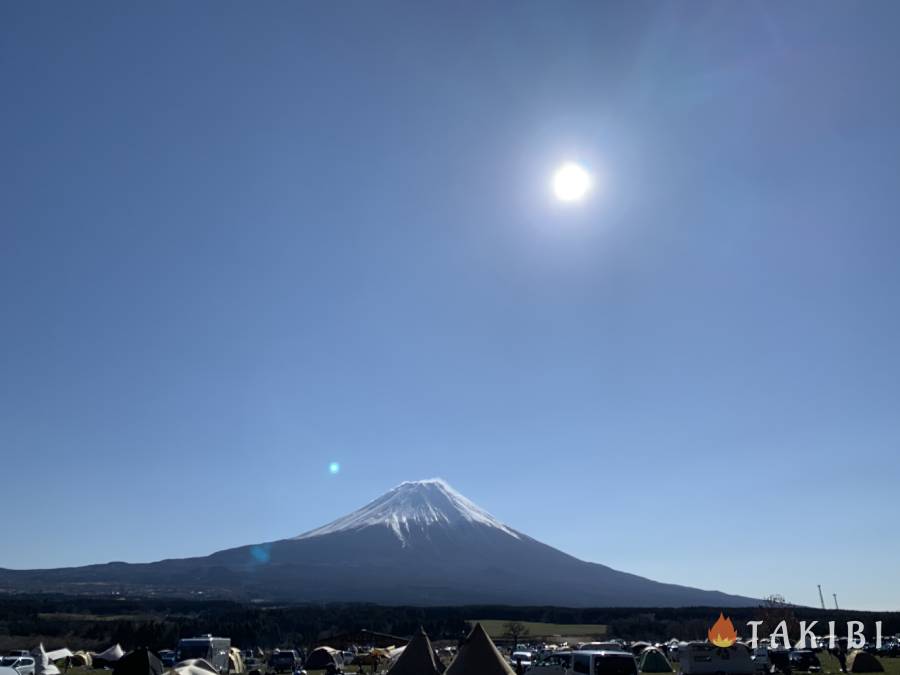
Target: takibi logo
point(722, 633)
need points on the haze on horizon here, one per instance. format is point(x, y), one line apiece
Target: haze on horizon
point(259, 264)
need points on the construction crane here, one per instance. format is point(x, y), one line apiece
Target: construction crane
point(821, 598)
point(834, 595)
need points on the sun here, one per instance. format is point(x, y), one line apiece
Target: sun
point(571, 182)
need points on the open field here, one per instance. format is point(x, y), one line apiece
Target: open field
point(496, 629)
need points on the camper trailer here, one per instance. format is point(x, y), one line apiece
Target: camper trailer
point(212, 649)
point(703, 658)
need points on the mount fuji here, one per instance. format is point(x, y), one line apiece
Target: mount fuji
point(421, 543)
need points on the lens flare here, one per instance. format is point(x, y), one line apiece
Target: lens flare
point(334, 468)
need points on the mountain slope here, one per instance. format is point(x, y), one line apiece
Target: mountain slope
point(421, 543)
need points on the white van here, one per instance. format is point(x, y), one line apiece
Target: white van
point(214, 650)
point(703, 658)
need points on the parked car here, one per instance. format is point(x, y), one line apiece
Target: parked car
point(212, 649)
point(703, 658)
point(527, 658)
point(760, 658)
point(599, 662)
point(23, 665)
point(167, 656)
point(805, 659)
point(284, 661)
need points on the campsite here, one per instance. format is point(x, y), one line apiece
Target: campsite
point(82, 636)
point(476, 653)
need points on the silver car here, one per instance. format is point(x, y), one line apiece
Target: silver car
point(23, 665)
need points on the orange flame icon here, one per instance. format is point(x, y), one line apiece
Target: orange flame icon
point(722, 633)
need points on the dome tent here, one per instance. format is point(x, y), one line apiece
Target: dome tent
point(862, 662)
point(193, 667)
point(478, 656)
point(139, 662)
point(196, 664)
point(654, 661)
point(81, 659)
point(322, 658)
point(417, 658)
point(637, 648)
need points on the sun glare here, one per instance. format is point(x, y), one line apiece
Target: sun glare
point(571, 182)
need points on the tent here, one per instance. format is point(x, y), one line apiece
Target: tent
point(654, 661)
point(478, 656)
point(637, 647)
point(191, 667)
point(235, 661)
point(110, 655)
point(322, 658)
point(201, 664)
point(42, 663)
point(863, 662)
point(417, 658)
point(58, 654)
point(139, 662)
point(81, 659)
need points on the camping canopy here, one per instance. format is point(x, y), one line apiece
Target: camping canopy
point(139, 662)
point(478, 656)
point(321, 658)
point(863, 662)
point(417, 658)
point(654, 661)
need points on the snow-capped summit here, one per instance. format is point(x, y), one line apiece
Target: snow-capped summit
point(414, 504)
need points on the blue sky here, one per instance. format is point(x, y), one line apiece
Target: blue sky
point(242, 241)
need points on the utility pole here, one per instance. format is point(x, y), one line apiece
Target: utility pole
point(834, 595)
point(821, 598)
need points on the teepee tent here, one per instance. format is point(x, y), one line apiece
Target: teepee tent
point(478, 656)
point(417, 658)
point(654, 661)
point(863, 662)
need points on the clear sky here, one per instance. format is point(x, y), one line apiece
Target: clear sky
point(239, 241)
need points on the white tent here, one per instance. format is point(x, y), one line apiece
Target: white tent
point(114, 653)
point(58, 654)
point(196, 666)
point(42, 663)
point(192, 667)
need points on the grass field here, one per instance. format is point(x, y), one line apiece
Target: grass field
point(496, 628)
